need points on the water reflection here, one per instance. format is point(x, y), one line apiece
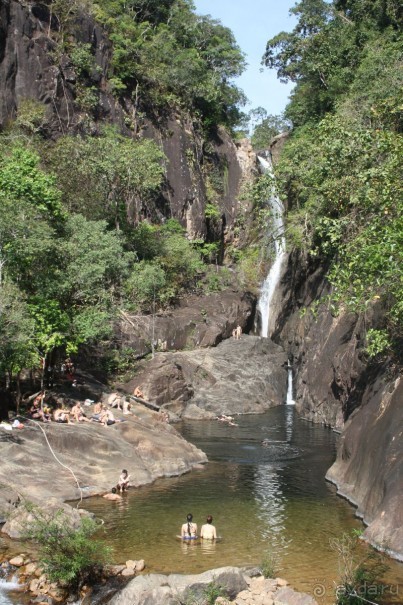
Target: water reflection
point(265, 488)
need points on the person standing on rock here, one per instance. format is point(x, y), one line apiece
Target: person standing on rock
point(189, 529)
point(208, 531)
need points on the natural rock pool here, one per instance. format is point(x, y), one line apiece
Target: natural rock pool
point(264, 497)
point(269, 496)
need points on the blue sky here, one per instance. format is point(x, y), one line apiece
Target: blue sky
point(253, 22)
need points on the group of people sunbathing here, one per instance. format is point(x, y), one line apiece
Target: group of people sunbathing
point(43, 412)
point(189, 529)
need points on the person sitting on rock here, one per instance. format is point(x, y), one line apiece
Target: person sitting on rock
point(113, 495)
point(107, 418)
point(208, 531)
point(124, 481)
point(126, 407)
point(97, 411)
point(78, 414)
point(138, 393)
point(36, 412)
point(189, 529)
point(62, 416)
point(114, 401)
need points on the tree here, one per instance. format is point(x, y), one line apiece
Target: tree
point(68, 555)
point(114, 178)
point(265, 130)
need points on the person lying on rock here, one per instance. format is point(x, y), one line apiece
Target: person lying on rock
point(208, 531)
point(112, 496)
point(189, 529)
point(124, 481)
point(78, 414)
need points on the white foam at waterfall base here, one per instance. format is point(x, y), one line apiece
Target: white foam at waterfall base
point(5, 586)
point(277, 233)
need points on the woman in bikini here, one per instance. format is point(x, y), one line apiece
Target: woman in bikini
point(189, 529)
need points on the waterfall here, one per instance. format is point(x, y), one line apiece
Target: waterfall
point(277, 232)
point(289, 399)
point(5, 586)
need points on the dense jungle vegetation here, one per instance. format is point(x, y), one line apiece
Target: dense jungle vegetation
point(341, 170)
point(75, 247)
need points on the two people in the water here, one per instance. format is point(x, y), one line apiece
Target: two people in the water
point(189, 529)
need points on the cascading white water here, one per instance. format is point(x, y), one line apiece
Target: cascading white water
point(5, 586)
point(277, 232)
point(290, 399)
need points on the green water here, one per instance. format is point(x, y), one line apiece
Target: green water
point(269, 497)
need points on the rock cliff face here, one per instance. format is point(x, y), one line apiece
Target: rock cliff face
point(200, 321)
point(336, 385)
point(29, 71)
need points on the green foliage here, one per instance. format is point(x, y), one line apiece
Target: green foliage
point(212, 592)
point(377, 342)
point(114, 176)
point(359, 572)
point(171, 56)
point(266, 127)
point(17, 349)
point(22, 179)
point(31, 116)
point(82, 59)
point(346, 192)
point(269, 564)
point(146, 285)
point(67, 555)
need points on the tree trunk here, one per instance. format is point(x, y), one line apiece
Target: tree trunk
point(18, 392)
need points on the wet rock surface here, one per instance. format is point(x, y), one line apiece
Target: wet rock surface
point(245, 376)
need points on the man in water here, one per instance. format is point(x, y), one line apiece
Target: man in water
point(208, 531)
point(113, 495)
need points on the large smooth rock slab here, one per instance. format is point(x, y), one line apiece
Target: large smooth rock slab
point(245, 376)
point(155, 589)
point(199, 321)
point(368, 468)
point(95, 456)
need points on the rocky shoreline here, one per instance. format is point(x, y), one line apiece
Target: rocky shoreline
point(233, 585)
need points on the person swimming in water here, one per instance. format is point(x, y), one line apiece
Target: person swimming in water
point(189, 529)
point(208, 531)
